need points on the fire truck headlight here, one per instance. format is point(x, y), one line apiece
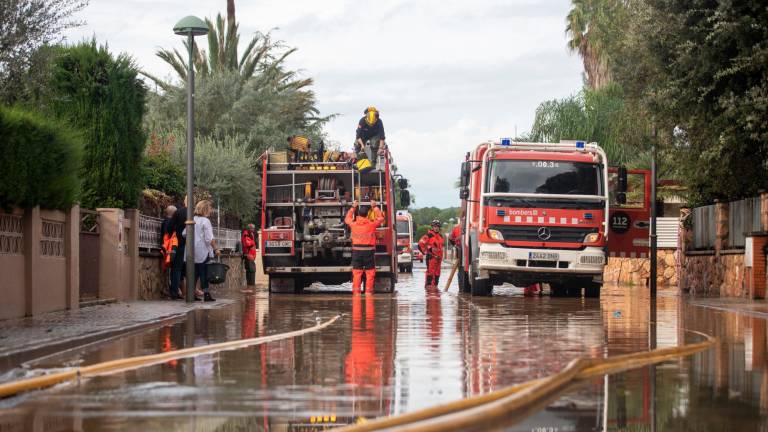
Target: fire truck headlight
point(495, 235)
point(592, 237)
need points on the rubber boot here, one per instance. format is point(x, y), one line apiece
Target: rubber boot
point(437, 280)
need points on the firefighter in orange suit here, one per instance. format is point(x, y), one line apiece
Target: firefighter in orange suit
point(431, 245)
point(363, 243)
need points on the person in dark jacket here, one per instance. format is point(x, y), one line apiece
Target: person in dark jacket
point(178, 223)
point(248, 240)
point(370, 128)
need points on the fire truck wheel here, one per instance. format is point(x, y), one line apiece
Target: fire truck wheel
point(479, 287)
point(299, 284)
point(592, 289)
point(286, 285)
point(463, 282)
point(558, 289)
point(385, 284)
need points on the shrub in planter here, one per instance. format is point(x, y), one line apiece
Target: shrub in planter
point(39, 161)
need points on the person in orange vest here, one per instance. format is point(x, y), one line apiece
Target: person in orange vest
point(431, 245)
point(170, 247)
point(248, 241)
point(363, 244)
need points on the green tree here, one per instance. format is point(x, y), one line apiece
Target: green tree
point(39, 160)
point(27, 25)
point(224, 169)
point(102, 96)
point(603, 116)
point(262, 111)
point(704, 78)
point(591, 26)
point(164, 174)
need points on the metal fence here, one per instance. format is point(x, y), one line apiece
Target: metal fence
point(743, 219)
point(149, 232)
point(150, 237)
point(667, 229)
point(704, 227)
point(226, 239)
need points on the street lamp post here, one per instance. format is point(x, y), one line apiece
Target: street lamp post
point(190, 27)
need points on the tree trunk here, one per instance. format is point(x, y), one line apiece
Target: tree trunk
point(231, 12)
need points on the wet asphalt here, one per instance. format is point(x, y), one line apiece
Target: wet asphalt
point(395, 353)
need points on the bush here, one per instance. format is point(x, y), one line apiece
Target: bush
point(226, 169)
point(102, 96)
point(39, 161)
point(163, 174)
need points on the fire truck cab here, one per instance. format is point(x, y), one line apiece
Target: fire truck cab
point(534, 213)
point(404, 224)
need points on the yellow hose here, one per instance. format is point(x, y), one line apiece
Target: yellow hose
point(120, 365)
point(478, 412)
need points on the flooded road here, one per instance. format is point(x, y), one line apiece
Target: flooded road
point(391, 354)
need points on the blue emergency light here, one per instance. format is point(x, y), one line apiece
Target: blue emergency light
point(580, 145)
point(499, 212)
point(506, 141)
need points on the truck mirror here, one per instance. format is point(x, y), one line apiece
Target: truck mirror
point(464, 175)
point(622, 180)
point(405, 198)
point(402, 183)
point(621, 198)
point(464, 193)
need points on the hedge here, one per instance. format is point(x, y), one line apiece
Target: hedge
point(39, 161)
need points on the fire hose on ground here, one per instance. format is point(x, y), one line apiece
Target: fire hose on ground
point(131, 363)
point(513, 404)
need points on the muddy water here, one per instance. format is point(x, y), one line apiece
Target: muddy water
point(397, 353)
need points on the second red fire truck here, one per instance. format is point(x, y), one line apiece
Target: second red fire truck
point(538, 213)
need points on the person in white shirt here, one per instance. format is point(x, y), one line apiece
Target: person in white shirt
point(205, 246)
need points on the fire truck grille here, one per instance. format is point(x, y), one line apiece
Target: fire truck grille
point(531, 233)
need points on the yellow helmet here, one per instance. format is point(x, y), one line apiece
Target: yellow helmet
point(371, 115)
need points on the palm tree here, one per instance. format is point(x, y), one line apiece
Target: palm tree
point(589, 25)
point(262, 54)
point(603, 116)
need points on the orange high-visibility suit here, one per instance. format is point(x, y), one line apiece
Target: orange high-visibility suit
point(363, 247)
point(170, 244)
point(363, 365)
point(431, 245)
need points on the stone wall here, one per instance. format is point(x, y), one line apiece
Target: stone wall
point(710, 274)
point(152, 279)
point(636, 271)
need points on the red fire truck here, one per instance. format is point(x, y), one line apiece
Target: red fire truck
point(404, 241)
point(303, 235)
point(539, 213)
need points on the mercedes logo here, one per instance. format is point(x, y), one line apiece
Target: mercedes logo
point(544, 234)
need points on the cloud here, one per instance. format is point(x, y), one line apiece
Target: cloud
point(447, 75)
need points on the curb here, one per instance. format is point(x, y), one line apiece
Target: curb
point(13, 358)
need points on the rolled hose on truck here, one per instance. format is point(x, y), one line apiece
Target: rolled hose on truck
point(513, 404)
point(131, 363)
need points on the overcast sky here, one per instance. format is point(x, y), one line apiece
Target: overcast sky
point(446, 75)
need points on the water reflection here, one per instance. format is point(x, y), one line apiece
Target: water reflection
point(721, 389)
point(397, 353)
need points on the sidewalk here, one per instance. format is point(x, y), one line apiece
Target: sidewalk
point(23, 338)
point(756, 308)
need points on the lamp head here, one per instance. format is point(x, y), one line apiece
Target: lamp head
point(191, 25)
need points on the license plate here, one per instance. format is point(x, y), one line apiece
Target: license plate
point(543, 256)
point(278, 244)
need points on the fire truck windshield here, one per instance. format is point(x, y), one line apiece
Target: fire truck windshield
point(544, 177)
point(403, 228)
